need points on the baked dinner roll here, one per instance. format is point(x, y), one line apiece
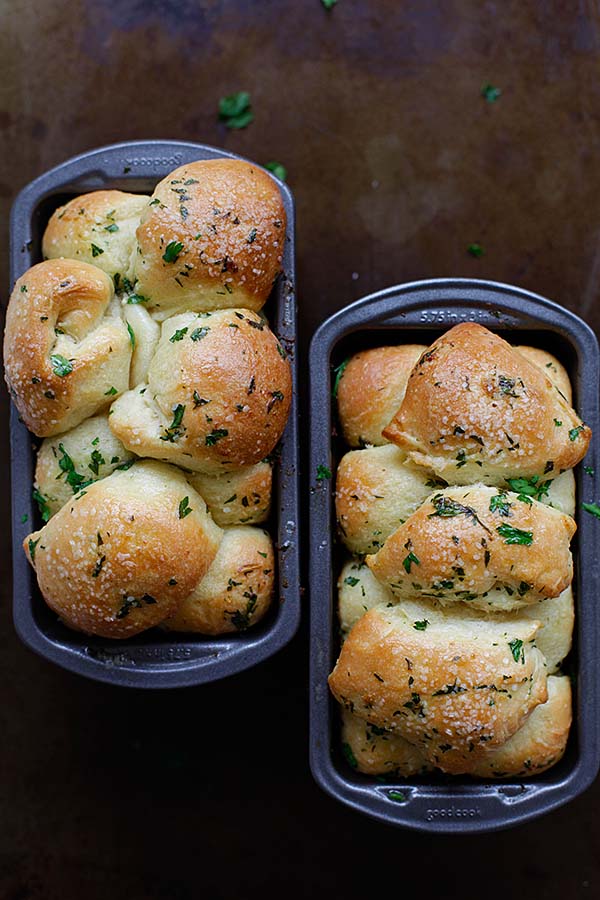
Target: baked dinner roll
point(376, 751)
point(376, 490)
point(97, 228)
point(358, 592)
point(70, 462)
point(551, 367)
point(241, 497)
point(236, 591)
point(66, 348)
point(475, 409)
point(371, 389)
point(218, 394)
point(446, 680)
point(144, 333)
point(463, 543)
point(556, 616)
point(124, 553)
point(211, 237)
point(537, 745)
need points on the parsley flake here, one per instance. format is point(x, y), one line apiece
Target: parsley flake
point(172, 251)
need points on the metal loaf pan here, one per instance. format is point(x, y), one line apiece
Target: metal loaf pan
point(420, 312)
point(153, 659)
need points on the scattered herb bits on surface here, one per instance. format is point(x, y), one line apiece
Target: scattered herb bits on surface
point(235, 110)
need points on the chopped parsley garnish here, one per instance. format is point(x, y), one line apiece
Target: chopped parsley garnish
point(131, 336)
point(198, 333)
point(409, 560)
point(490, 93)
point(97, 461)
point(515, 535)
point(575, 432)
point(499, 504)
point(398, 796)
point(507, 385)
point(475, 250)
point(421, 625)
point(67, 466)
point(184, 508)
point(215, 435)
point(137, 298)
point(111, 392)
point(130, 603)
point(277, 169)
point(235, 110)
point(446, 508)
point(172, 251)
point(275, 396)
point(32, 545)
point(592, 508)
point(112, 227)
point(589, 470)
point(96, 251)
point(558, 423)
point(174, 431)
point(323, 473)
point(516, 648)
point(528, 488)
point(60, 365)
point(42, 503)
point(239, 619)
point(252, 236)
point(449, 689)
point(346, 748)
point(339, 371)
point(351, 580)
point(98, 567)
point(178, 335)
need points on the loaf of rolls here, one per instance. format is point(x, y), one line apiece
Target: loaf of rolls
point(456, 611)
point(153, 300)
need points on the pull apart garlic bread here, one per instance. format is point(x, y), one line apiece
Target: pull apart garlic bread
point(456, 608)
point(138, 352)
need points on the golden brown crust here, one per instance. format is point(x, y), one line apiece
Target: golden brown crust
point(97, 228)
point(376, 490)
point(551, 367)
point(221, 379)
point(465, 542)
point(241, 497)
point(375, 751)
point(125, 552)
point(225, 223)
point(237, 590)
point(371, 390)
point(68, 463)
point(66, 348)
point(477, 410)
point(443, 679)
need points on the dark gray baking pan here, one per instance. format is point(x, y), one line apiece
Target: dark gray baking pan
point(154, 659)
point(420, 312)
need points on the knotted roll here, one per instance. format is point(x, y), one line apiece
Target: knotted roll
point(125, 552)
point(97, 228)
point(241, 497)
point(371, 389)
point(537, 745)
point(69, 463)
point(476, 409)
point(66, 348)
point(218, 394)
point(236, 591)
point(447, 681)
point(211, 237)
point(479, 545)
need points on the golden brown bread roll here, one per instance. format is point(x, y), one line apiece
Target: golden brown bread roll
point(358, 592)
point(218, 394)
point(66, 348)
point(371, 390)
point(97, 228)
point(68, 463)
point(551, 367)
point(475, 410)
point(212, 237)
point(241, 497)
point(444, 679)
point(376, 490)
point(537, 745)
point(236, 591)
point(125, 552)
point(481, 546)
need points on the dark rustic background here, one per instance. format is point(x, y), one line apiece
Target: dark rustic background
point(397, 164)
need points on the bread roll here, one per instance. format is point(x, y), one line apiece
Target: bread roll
point(66, 348)
point(125, 552)
point(212, 237)
point(241, 497)
point(236, 591)
point(145, 334)
point(444, 679)
point(69, 463)
point(218, 394)
point(371, 390)
point(536, 746)
point(551, 367)
point(463, 543)
point(97, 228)
point(556, 616)
point(358, 592)
point(475, 409)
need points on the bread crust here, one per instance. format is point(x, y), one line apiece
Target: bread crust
point(125, 552)
point(66, 348)
point(225, 223)
point(240, 497)
point(475, 409)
